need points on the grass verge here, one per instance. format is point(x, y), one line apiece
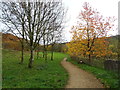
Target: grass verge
point(42, 75)
point(108, 78)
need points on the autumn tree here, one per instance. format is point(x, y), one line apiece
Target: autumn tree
point(90, 33)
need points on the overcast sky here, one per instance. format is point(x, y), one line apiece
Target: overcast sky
point(105, 7)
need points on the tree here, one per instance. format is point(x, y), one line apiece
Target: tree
point(31, 21)
point(89, 35)
point(55, 28)
point(26, 19)
point(14, 18)
point(38, 16)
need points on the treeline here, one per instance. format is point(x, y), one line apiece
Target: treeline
point(35, 23)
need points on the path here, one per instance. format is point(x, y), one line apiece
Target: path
point(79, 78)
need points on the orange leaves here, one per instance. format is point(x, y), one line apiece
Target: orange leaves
point(107, 23)
point(87, 53)
point(80, 29)
point(92, 26)
point(80, 48)
point(84, 28)
point(90, 33)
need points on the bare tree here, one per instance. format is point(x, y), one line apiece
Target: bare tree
point(26, 19)
point(14, 18)
point(32, 21)
point(54, 27)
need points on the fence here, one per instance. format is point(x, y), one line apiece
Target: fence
point(110, 65)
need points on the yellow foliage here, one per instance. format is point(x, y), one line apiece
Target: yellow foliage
point(89, 35)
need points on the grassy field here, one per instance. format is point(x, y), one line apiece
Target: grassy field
point(109, 79)
point(45, 75)
point(42, 75)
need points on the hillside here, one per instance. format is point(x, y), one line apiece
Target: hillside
point(9, 41)
point(9, 37)
point(114, 37)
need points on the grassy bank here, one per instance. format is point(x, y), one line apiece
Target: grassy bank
point(42, 75)
point(109, 79)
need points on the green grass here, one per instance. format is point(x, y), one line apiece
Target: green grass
point(109, 79)
point(42, 75)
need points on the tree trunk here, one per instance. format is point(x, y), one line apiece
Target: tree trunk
point(37, 54)
point(43, 54)
point(31, 58)
point(52, 53)
point(22, 53)
point(46, 56)
point(89, 58)
point(22, 45)
point(22, 56)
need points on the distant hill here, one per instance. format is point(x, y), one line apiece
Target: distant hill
point(9, 41)
point(9, 37)
point(116, 37)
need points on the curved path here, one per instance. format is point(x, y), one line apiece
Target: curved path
point(79, 78)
